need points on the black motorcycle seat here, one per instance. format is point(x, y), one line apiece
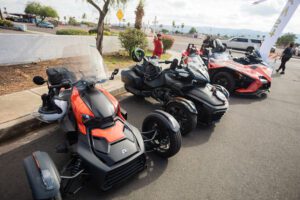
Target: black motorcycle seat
point(155, 82)
point(139, 70)
point(152, 72)
point(148, 71)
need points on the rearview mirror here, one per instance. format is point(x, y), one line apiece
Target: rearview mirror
point(115, 72)
point(38, 80)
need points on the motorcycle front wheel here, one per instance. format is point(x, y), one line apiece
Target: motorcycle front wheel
point(167, 142)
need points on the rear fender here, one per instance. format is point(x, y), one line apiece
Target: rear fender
point(42, 175)
point(187, 103)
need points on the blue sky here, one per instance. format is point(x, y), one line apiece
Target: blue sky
point(216, 13)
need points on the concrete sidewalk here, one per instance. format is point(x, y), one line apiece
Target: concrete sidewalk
point(17, 108)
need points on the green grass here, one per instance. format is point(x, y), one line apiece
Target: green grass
point(71, 32)
point(123, 60)
point(117, 60)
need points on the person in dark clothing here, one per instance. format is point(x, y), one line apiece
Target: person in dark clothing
point(286, 56)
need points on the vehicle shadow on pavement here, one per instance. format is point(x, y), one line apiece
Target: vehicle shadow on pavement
point(276, 75)
point(155, 168)
point(199, 136)
point(139, 108)
point(245, 99)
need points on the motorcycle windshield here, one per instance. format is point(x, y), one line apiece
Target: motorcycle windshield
point(196, 59)
point(220, 56)
point(199, 70)
point(83, 62)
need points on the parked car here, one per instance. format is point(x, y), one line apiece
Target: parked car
point(45, 25)
point(245, 44)
point(242, 43)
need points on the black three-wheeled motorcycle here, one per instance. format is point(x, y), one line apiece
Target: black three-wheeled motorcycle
point(184, 90)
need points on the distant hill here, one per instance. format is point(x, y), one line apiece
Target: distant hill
point(224, 31)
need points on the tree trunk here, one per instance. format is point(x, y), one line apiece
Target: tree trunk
point(1, 17)
point(100, 29)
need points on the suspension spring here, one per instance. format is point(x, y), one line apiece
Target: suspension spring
point(77, 166)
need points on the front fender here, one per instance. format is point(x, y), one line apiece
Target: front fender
point(168, 120)
point(187, 103)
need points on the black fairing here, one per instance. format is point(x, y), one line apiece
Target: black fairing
point(106, 162)
point(102, 108)
point(205, 95)
point(115, 152)
point(187, 82)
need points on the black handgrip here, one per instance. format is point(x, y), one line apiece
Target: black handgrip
point(166, 62)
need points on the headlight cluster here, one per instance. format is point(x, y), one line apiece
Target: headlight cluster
point(263, 80)
point(220, 95)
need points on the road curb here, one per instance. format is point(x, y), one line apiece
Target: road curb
point(18, 127)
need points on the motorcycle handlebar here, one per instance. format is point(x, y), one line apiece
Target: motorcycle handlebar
point(166, 62)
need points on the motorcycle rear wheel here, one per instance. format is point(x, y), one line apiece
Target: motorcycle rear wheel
point(224, 79)
point(186, 119)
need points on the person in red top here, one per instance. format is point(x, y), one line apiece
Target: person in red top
point(158, 46)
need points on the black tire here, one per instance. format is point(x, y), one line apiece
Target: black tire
point(186, 119)
point(250, 49)
point(158, 122)
point(224, 79)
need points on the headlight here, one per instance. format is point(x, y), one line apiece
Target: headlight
point(220, 96)
point(85, 118)
point(263, 80)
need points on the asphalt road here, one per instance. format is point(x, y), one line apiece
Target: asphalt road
point(253, 153)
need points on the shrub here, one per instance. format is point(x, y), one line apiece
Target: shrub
point(89, 24)
point(167, 41)
point(6, 23)
point(132, 38)
point(71, 32)
point(72, 21)
point(106, 28)
point(193, 30)
point(93, 31)
point(164, 31)
point(107, 33)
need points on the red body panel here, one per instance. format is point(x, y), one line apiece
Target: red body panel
point(247, 70)
point(252, 71)
point(79, 108)
point(111, 134)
